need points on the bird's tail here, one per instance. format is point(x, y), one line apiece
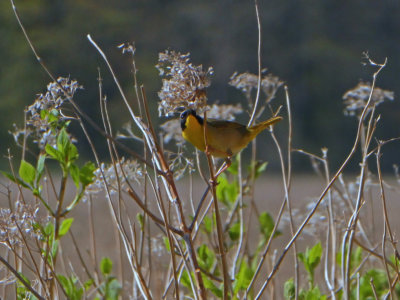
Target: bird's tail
point(263, 125)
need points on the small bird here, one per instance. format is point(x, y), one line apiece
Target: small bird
point(224, 138)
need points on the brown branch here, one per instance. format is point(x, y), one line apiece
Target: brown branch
point(21, 279)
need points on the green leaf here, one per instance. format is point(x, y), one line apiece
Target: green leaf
point(257, 168)
point(260, 168)
point(27, 172)
point(312, 294)
point(167, 245)
point(289, 289)
point(209, 285)
point(14, 179)
point(88, 284)
point(185, 280)
point(234, 231)
point(49, 229)
point(207, 224)
point(106, 266)
point(140, 219)
point(72, 153)
point(311, 259)
point(65, 284)
point(86, 173)
point(54, 153)
point(65, 226)
point(53, 117)
point(243, 278)
point(380, 281)
point(113, 289)
point(234, 167)
point(54, 248)
point(22, 292)
point(266, 224)
point(63, 142)
point(206, 257)
point(70, 287)
point(74, 171)
point(227, 192)
point(314, 255)
point(40, 167)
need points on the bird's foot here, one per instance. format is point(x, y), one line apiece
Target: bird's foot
point(227, 163)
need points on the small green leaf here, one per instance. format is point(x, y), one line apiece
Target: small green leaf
point(207, 224)
point(227, 192)
point(243, 278)
point(140, 219)
point(311, 259)
point(113, 289)
point(206, 257)
point(54, 153)
point(260, 168)
point(72, 153)
point(40, 167)
point(234, 167)
point(43, 114)
point(266, 224)
point(69, 284)
point(74, 171)
point(65, 284)
point(315, 254)
point(167, 245)
point(289, 289)
point(65, 226)
point(63, 142)
point(54, 249)
point(49, 229)
point(234, 231)
point(14, 179)
point(88, 284)
point(27, 172)
point(185, 280)
point(209, 285)
point(86, 173)
point(106, 266)
point(312, 294)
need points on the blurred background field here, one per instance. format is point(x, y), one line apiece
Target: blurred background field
point(315, 47)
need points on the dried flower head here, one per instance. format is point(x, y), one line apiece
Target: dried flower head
point(356, 98)
point(224, 111)
point(20, 221)
point(47, 108)
point(184, 85)
point(179, 164)
point(171, 130)
point(247, 82)
point(126, 171)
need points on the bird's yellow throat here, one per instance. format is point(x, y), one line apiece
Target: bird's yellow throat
point(193, 132)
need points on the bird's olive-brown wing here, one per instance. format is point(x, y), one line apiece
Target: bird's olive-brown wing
point(227, 137)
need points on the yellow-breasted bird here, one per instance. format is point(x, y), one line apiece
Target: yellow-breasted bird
point(224, 138)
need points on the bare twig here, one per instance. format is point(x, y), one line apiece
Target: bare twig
point(259, 66)
point(20, 278)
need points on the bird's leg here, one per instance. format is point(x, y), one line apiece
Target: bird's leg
point(227, 163)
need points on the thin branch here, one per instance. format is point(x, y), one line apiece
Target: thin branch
point(20, 278)
point(259, 65)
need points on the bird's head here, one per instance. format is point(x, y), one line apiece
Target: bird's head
point(186, 114)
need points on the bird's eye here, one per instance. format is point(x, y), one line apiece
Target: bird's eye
point(183, 115)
